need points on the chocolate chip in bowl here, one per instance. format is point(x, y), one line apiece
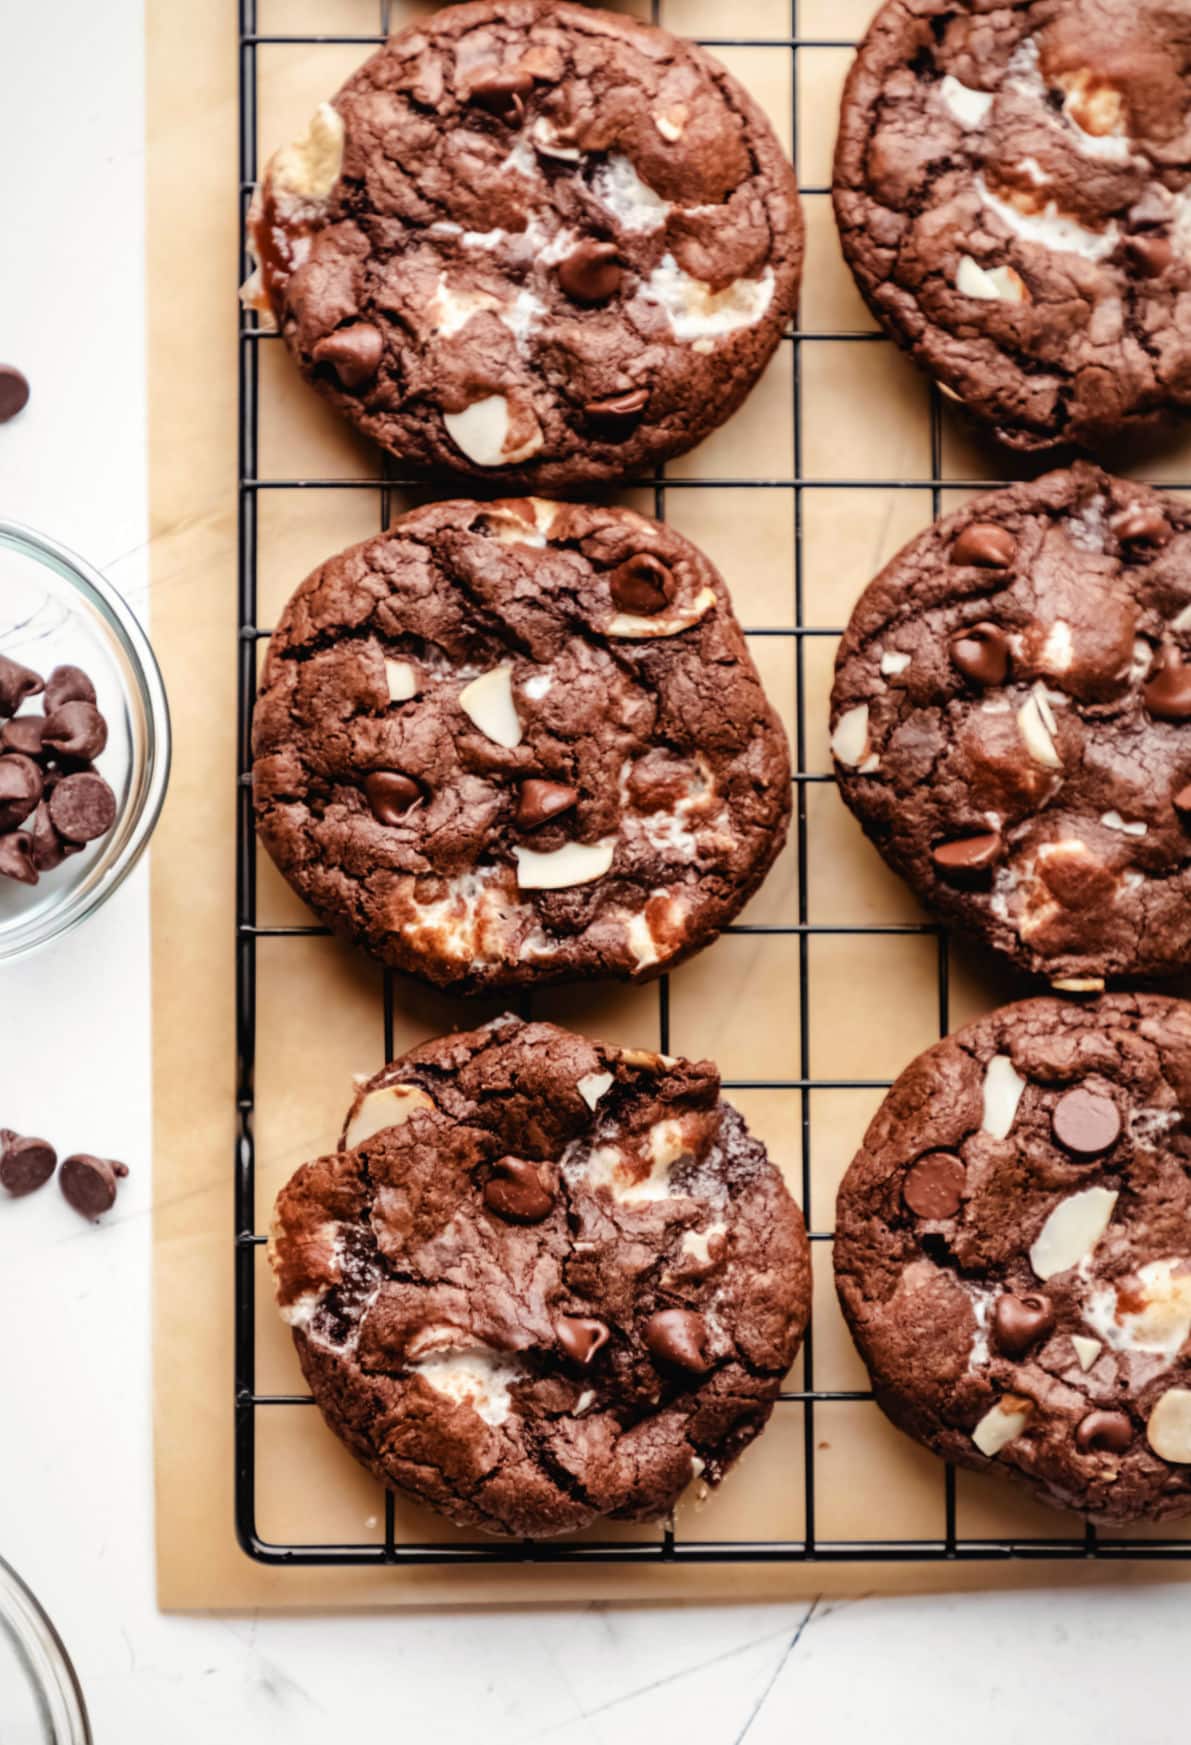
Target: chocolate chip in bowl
point(84, 740)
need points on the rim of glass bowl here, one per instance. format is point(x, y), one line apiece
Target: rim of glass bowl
point(150, 741)
point(44, 1657)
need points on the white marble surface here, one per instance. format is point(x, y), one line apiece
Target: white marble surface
point(75, 1479)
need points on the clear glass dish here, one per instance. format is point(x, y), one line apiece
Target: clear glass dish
point(56, 610)
point(41, 1702)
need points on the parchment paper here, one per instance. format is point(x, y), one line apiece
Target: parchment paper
point(873, 1000)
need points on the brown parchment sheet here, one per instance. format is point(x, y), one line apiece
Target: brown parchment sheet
point(873, 1000)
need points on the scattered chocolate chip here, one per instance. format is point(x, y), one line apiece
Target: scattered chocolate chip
point(617, 409)
point(391, 794)
point(14, 392)
point(502, 92)
point(581, 1336)
point(1019, 1322)
point(1085, 1122)
point(67, 684)
point(49, 849)
point(76, 730)
point(16, 857)
point(935, 1185)
point(540, 801)
point(591, 272)
point(1168, 694)
point(1141, 524)
point(354, 353)
point(981, 652)
point(25, 1164)
point(968, 854)
point(21, 787)
point(17, 684)
point(641, 584)
point(679, 1337)
point(1151, 255)
point(89, 1183)
point(515, 1190)
point(83, 807)
point(986, 545)
point(23, 733)
point(1104, 1433)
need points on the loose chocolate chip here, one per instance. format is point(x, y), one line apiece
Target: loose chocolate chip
point(1140, 524)
point(49, 849)
point(679, 1337)
point(391, 794)
point(967, 854)
point(981, 652)
point(354, 353)
point(515, 1190)
point(1019, 1322)
point(1168, 694)
point(1182, 803)
point(581, 1336)
point(986, 545)
point(1086, 1122)
point(76, 730)
point(67, 684)
point(14, 392)
point(17, 684)
point(540, 801)
point(617, 409)
point(89, 1183)
point(935, 1185)
point(641, 584)
point(591, 272)
point(23, 734)
point(1150, 255)
point(1104, 1433)
point(83, 807)
point(21, 787)
point(502, 91)
point(25, 1164)
point(16, 857)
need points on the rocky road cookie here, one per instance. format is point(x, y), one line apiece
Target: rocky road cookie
point(531, 242)
point(1012, 724)
point(542, 1281)
point(519, 741)
point(1013, 189)
point(1013, 1251)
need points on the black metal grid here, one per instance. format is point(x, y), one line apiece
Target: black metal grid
point(1082, 1543)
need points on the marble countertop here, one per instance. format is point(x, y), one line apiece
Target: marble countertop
point(75, 1468)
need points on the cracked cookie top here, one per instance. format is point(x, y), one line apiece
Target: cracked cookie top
point(542, 1281)
point(532, 242)
point(1013, 1251)
point(519, 741)
point(1011, 723)
point(1013, 189)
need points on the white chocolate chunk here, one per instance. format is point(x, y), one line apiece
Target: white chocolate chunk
point(893, 663)
point(632, 202)
point(634, 627)
point(849, 742)
point(402, 679)
point(309, 168)
point(479, 1378)
point(1072, 1231)
point(641, 940)
point(1079, 984)
point(1169, 1429)
point(1086, 1350)
point(672, 125)
point(390, 1106)
point(990, 285)
point(1003, 1086)
point(537, 686)
point(551, 145)
point(1159, 1324)
point(482, 431)
point(452, 309)
point(1052, 228)
point(592, 1086)
point(1002, 1424)
point(586, 1399)
point(696, 1244)
point(1058, 650)
point(1036, 725)
point(697, 312)
point(575, 863)
point(1180, 623)
point(1130, 826)
point(488, 704)
point(970, 108)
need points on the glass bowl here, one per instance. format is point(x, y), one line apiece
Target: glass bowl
point(41, 1702)
point(55, 610)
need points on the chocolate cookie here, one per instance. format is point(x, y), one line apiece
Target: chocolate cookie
point(519, 741)
point(1011, 185)
point(532, 242)
point(542, 1281)
point(1013, 1251)
point(1012, 724)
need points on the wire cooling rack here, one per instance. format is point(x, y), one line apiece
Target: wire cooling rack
point(671, 1545)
